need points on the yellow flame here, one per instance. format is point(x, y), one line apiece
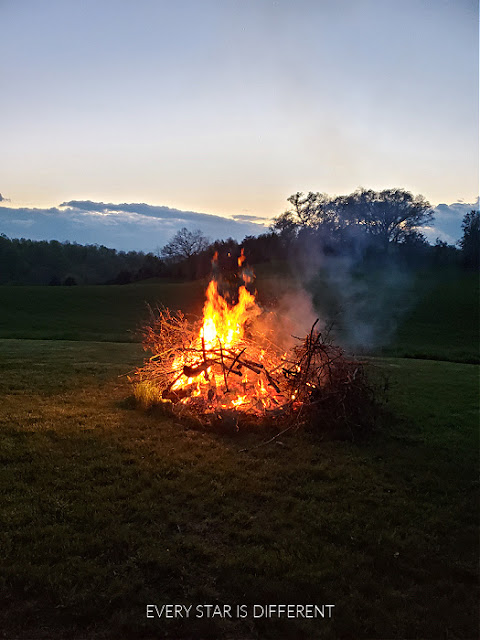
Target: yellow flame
point(223, 322)
point(238, 401)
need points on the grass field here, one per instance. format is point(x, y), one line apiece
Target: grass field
point(100, 313)
point(442, 323)
point(107, 509)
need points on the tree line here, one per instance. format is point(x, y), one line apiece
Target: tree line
point(368, 226)
point(63, 263)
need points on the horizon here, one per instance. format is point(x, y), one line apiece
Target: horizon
point(146, 228)
point(48, 204)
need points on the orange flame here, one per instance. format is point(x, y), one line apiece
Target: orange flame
point(223, 327)
point(224, 323)
point(206, 370)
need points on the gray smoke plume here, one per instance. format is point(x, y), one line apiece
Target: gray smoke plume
point(291, 319)
point(356, 287)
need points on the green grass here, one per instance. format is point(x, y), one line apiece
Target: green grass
point(440, 318)
point(107, 508)
point(429, 314)
point(106, 313)
point(444, 321)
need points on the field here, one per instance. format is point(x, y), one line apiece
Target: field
point(107, 508)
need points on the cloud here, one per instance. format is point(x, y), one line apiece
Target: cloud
point(250, 218)
point(448, 221)
point(140, 227)
point(144, 227)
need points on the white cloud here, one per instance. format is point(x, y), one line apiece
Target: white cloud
point(139, 226)
point(448, 221)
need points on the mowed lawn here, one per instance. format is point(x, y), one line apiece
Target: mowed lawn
point(443, 323)
point(106, 509)
point(98, 313)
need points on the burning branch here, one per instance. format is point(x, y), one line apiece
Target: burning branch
point(315, 378)
point(219, 368)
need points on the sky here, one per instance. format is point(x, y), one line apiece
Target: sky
point(225, 108)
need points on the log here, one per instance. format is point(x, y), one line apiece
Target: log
point(193, 372)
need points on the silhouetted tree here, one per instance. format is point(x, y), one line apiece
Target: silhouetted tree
point(184, 245)
point(470, 242)
point(387, 216)
point(313, 211)
point(391, 215)
point(414, 249)
point(124, 277)
point(444, 253)
point(40, 262)
point(152, 267)
point(185, 253)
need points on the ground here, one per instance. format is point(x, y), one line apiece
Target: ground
point(107, 508)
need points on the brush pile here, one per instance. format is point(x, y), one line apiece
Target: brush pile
point(213, 380)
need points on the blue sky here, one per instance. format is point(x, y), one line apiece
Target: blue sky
point(226, 108)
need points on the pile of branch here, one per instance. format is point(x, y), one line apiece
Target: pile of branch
point(334, 391)
point(178, 353)
point(315, 384)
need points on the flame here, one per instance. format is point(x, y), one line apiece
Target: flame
point(214, 374)
point(246, 273)
point(224, 323)
point(239, 401)
point(223, 327)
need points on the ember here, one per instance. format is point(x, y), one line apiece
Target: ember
point(228, 363)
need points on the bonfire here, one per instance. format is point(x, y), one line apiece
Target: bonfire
point(228, 365)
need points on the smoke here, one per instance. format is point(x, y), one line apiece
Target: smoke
point(354, 286)
point(353, 289)
point(292, 318)
point(368, 304)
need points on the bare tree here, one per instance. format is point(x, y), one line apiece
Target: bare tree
point(391, 215)
point(184, 245)
point(314, 210)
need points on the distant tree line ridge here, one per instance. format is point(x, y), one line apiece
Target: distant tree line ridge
point(365, 227)
point(63, 263)
point(368, 226)
point(372, 226)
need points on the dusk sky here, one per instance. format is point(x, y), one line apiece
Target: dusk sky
point(228, 107)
